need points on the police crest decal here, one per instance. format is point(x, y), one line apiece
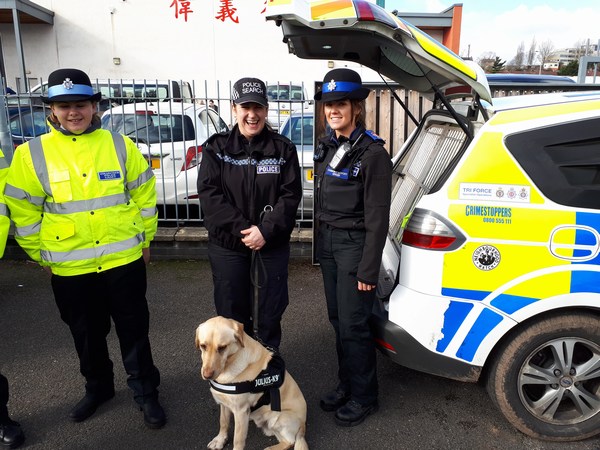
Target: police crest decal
point(486, 257)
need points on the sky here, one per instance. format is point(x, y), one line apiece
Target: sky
point(499, 26)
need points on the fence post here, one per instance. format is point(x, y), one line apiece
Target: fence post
point(5, 139)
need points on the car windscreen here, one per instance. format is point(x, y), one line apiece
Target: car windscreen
point(299, 130)
point(212, 122)
point(151, 128)
point(284, 92)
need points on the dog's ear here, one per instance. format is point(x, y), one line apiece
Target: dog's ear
point(196, 339)
point(239, 332)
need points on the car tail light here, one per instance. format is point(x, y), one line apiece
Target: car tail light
point(192, 157)
point(427, 230)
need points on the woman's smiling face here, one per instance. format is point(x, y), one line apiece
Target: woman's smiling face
point(340, 117)
point(251, 118)
point(75, 117)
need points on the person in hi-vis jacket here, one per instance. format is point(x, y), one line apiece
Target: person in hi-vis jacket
point(83, 202)
point(11, 434)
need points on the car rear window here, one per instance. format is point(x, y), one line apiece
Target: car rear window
point(29, 123)
point(562, 160)
point(151, 128)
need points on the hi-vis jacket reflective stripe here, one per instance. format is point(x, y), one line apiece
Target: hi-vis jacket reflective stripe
point(4, 220)
point(81, 203)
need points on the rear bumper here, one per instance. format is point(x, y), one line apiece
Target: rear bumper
point(395, 343)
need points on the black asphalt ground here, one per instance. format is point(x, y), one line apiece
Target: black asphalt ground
point(417, 411)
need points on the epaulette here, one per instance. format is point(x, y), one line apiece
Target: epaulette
point(281, 137)
point(214, 136)
point(374, 136)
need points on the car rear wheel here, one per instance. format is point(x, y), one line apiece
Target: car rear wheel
point(546, 380)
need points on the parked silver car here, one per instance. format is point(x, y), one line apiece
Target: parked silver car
point(284, 99)
point(170, 135)
point(299, 128)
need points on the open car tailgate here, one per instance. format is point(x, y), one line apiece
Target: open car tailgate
point(360, 31)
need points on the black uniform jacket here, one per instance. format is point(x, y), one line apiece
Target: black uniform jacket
point(238, 179)
point(357, 195)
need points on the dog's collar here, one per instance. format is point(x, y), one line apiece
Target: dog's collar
point(268, 382)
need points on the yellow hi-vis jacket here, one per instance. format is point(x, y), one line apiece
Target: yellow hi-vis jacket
point(81, 203)
point(4, 220)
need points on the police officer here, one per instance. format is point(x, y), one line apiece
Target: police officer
point(352, 208)
point(249, 187)
point(11, 435)
point(83, 201)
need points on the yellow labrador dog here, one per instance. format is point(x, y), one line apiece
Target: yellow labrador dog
point(250, 382)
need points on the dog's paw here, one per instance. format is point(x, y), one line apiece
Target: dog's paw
point(280, 446)
point(217, 443)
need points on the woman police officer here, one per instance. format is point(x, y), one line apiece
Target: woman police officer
point(352, 207)
point(11, 435)
point(83, 201)
point(249, 187)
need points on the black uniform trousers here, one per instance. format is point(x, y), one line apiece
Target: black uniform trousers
point(3, 399)
point(87, 303)
point(234, 291)
point(339, 252)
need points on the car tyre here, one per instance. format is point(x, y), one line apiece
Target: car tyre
point(546, 379)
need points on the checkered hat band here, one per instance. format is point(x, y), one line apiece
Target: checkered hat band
point(77, 89)
point(341, 86)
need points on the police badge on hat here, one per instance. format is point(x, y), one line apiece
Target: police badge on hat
point(70, 85)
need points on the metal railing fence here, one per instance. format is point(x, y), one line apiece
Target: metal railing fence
point(384, 116)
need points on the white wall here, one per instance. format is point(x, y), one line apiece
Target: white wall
point(152, 43)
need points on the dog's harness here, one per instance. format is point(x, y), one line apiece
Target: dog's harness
point(268, 382)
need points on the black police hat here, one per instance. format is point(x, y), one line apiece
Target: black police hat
point(342, 84)
point(70, 85)
point(249, 90)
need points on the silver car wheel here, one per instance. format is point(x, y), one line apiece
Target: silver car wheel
point(560, 380)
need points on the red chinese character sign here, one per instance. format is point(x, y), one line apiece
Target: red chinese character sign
point(227, 12)
point(226, 9)
point(182, 8)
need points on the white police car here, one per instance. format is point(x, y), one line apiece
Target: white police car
point(491, 269)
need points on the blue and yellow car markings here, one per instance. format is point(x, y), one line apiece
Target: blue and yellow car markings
point(485, 323)
point(546, 111)
point(503, 303)
point(332, 9)
point(444, 54)
point(453, 318)
point(590, 239)
point(559, 255)
point(366, 11)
